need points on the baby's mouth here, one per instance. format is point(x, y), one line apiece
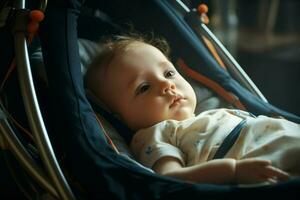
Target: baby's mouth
point(176, 100)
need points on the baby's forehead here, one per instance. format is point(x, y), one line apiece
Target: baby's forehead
point(136, 46)
point(136, 56)
point(142, 50)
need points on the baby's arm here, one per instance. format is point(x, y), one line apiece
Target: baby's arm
point(221, 171)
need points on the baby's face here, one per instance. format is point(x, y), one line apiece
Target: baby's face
point(144, 88)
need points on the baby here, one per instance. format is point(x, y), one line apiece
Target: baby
point(134, 78)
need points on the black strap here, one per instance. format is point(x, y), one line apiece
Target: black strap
point(229, 140)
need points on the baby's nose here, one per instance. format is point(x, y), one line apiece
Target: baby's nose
point(168, 87)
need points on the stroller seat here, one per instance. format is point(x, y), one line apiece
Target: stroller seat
point(92, 168)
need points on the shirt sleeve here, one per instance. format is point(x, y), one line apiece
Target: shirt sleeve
point(151, 144)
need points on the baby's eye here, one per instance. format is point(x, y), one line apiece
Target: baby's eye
point(169, 73)
point(142, 88)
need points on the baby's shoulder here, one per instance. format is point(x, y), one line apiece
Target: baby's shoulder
point(226, 113)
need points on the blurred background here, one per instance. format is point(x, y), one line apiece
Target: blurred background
point(264, 37)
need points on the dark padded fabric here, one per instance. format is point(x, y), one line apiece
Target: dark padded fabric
point(102, 173)
point(93, 163)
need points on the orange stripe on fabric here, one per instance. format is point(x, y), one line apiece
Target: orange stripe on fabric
point(106, 135)
point(211, 84)
point(213, 51)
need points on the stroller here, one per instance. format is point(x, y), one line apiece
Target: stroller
point(68, 153)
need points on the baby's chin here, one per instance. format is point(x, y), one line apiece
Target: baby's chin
point(183, 115)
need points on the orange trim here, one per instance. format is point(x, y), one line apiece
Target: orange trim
point(229, 97)
point(202, 10)
point(213, 51)
point(18, 124)
point(9, 71)
point(36, 16)
point(21, 127)
point(106, 135)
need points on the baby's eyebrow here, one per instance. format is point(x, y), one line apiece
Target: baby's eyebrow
point(132, 81)
point(164, 64)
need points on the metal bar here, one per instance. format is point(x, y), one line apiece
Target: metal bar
point(232, 64)
point(234, 68)
point(34, 116)
point(43, 5)
point(183, 6)
point(11, 141)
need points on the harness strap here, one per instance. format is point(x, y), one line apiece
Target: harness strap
point(229, 140)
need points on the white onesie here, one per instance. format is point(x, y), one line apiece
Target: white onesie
point(195, 140)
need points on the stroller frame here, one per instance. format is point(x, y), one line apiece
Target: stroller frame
point(57, 184)
point(51, 178)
